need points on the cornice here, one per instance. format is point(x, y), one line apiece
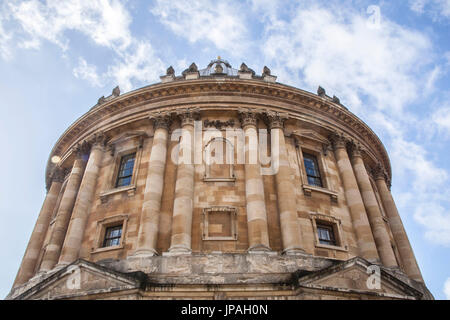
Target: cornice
point(300, 100)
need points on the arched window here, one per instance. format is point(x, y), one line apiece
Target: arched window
point(219, 160)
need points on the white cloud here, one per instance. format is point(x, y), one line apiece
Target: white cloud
point(141, 64)
point(196, 20)
point(87, 72)
point(106, 22)
point(441, 119)
point(437, 9)
point(447, 289)
point(339, 51)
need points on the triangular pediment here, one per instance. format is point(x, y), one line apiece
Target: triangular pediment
point(80, 279)
point(311, 135)
point(359, 276)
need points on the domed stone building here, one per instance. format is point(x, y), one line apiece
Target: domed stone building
point(219, 184)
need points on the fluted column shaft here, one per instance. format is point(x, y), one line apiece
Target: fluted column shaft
point(154, 185)
point(287, 206)
point(183, 205)
point(59, 230)
point(364, 237)
point(377, 223)
point(398, 231)
point(34, 247)
point(258, 234)
point(80, 213)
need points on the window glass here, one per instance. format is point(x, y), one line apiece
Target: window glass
point(326, 235)
point(112, 236)
point(312, 170)
point(125, 170)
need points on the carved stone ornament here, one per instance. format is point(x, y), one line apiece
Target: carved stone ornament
point(321, 92)
point(188, 116)
point(170, 71)
point(275, 120)
point(218, 124)
point(218, 69)
point(101, 100)
point(81, 149)
point(245, 69)
point(116, 91)
point(266, 71)
point(98, 139)
point(192, 68)
point(247, 118)
point(58, 174)
point(338, 140)
point(161, 121)
point(379, 173)
point(355, 149)
point(336, 100)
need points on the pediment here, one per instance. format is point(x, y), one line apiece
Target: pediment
point(128, 135)
point(80, 279)
point(359, 276)
point(311, 135)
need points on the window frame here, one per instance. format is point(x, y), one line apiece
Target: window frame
point(232, 211)
point(101, 229)
point(318, 220)
point(120, 169)
point(108, 237)
point(313, 158)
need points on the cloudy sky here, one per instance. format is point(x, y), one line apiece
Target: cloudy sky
point(388, 62)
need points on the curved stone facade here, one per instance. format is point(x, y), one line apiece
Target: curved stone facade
point(240, 187)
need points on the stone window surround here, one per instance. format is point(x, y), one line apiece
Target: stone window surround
point(111, 189)
point(318, 218)
point(225, 209)
point(102, 225)
point(323, 169)
point(207, 177)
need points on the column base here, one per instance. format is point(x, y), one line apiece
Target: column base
point(144, 253)
point(295, 252)
point(177, 250)
point(260, 249)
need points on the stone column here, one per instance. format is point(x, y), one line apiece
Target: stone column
point(28, 266)
point(287, 206)
point(377, 224)
point(410, 265)
point(364, 237)
point(148, 228)
point(81, 209)
point(183, 205)
point(59, 230)
point(258, 234)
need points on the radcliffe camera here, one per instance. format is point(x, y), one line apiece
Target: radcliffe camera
point(230, 157)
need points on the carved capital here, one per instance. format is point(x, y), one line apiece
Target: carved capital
point(81, 150)
point(355, 149)
point(99, 139)
point(161, 121)
point(275, 120)
point(58, 174)
point(247, 118)
point(338, 140)
point(379, 173)
point(188, 116)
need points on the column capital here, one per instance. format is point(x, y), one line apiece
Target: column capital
point(275, 120)
point(161, 120)
point(355, 149)
point(58, 174)
point(380, 173)
point(247, 118)
point(338, 140)
point(81, 149)
point(99, 139)
point(188, 116)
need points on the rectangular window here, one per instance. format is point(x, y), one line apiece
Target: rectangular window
point(312, 170)
point(112, 236)
point(125, 170)
point(326, 235)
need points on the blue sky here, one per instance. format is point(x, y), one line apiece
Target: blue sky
point(388, 62)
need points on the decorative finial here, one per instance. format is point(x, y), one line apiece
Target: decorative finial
point(218, 58)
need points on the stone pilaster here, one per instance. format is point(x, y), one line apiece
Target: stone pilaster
point(30, 258)
point(183, 205)
point(154, 185)
point(377, 223)
point(409, 262)
point(361, 226)
point(59, 230)
point(258, 234)
point(80, 213)
point(287, 206)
